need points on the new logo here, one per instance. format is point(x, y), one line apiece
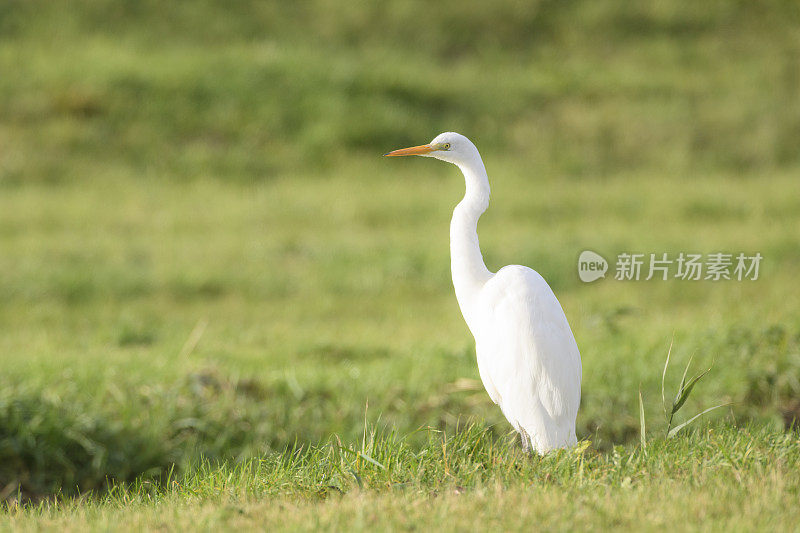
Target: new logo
point(591, 266)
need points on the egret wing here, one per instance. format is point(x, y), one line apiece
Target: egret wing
point(528, 351)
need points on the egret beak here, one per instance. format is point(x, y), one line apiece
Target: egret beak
point(414, 150)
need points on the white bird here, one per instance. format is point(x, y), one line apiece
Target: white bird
point(528, 359)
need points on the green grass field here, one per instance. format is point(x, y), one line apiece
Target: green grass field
point(221, 308)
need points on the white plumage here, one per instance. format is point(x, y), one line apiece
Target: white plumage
point(527, 356)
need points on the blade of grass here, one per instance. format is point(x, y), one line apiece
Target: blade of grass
point(678, 395)
point(363, 456)
point(194, 339)
point(371, 460)
point(663, 376)
point(674, 431)
point(683, 384)
point(642, 428)
point(688, 389)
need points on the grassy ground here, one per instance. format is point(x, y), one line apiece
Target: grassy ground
point(203, 255)
point(737, 480)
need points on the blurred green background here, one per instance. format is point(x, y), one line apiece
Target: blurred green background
point(202, 251)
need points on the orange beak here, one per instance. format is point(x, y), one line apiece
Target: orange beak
point(414, 150)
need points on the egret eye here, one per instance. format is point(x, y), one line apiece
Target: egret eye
point(446, 146)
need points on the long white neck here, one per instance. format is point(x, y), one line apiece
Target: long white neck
point(466, 262)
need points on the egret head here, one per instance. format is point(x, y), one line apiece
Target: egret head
point(451, 147)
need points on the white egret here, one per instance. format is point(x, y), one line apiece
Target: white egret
point(527, 356)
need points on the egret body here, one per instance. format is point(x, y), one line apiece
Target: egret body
point(527, 356)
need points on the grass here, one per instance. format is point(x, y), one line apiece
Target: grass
point(213, 285)
point(741, 479)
